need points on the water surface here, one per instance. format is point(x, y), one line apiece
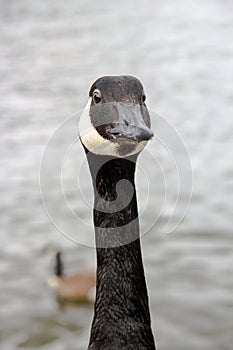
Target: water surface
point(51, 52)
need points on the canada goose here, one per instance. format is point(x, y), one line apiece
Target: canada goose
point(75, 288)
point(119, 128)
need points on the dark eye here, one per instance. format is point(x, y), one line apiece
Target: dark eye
point(97, 96)
point(143, 97)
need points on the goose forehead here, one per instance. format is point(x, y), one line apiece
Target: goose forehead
point(117, 87)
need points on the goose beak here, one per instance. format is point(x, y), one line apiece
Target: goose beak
point(131, 123)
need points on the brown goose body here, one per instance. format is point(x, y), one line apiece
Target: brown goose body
point(79, 287)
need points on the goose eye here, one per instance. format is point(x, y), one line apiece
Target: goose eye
point(97, 96)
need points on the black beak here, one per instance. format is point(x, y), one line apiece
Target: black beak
point(131, 123)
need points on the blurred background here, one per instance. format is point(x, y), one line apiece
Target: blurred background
point(51, 52)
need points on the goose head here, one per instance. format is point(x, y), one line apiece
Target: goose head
point(118, 120)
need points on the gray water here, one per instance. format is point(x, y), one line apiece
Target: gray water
point(51, 52)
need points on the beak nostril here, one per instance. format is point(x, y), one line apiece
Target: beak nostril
point(131, 133)
point(126, 122)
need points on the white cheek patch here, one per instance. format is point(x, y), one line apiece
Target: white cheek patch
point(97, 144)
point(88, 134)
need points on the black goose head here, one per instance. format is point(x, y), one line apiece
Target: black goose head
point(119, 119)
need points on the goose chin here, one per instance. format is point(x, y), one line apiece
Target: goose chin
point(119, 148)
point(128, 147)
point(114, 147)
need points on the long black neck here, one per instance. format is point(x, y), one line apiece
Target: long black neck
point(121, 318)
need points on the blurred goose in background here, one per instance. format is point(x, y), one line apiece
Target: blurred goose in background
point(79, 288)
